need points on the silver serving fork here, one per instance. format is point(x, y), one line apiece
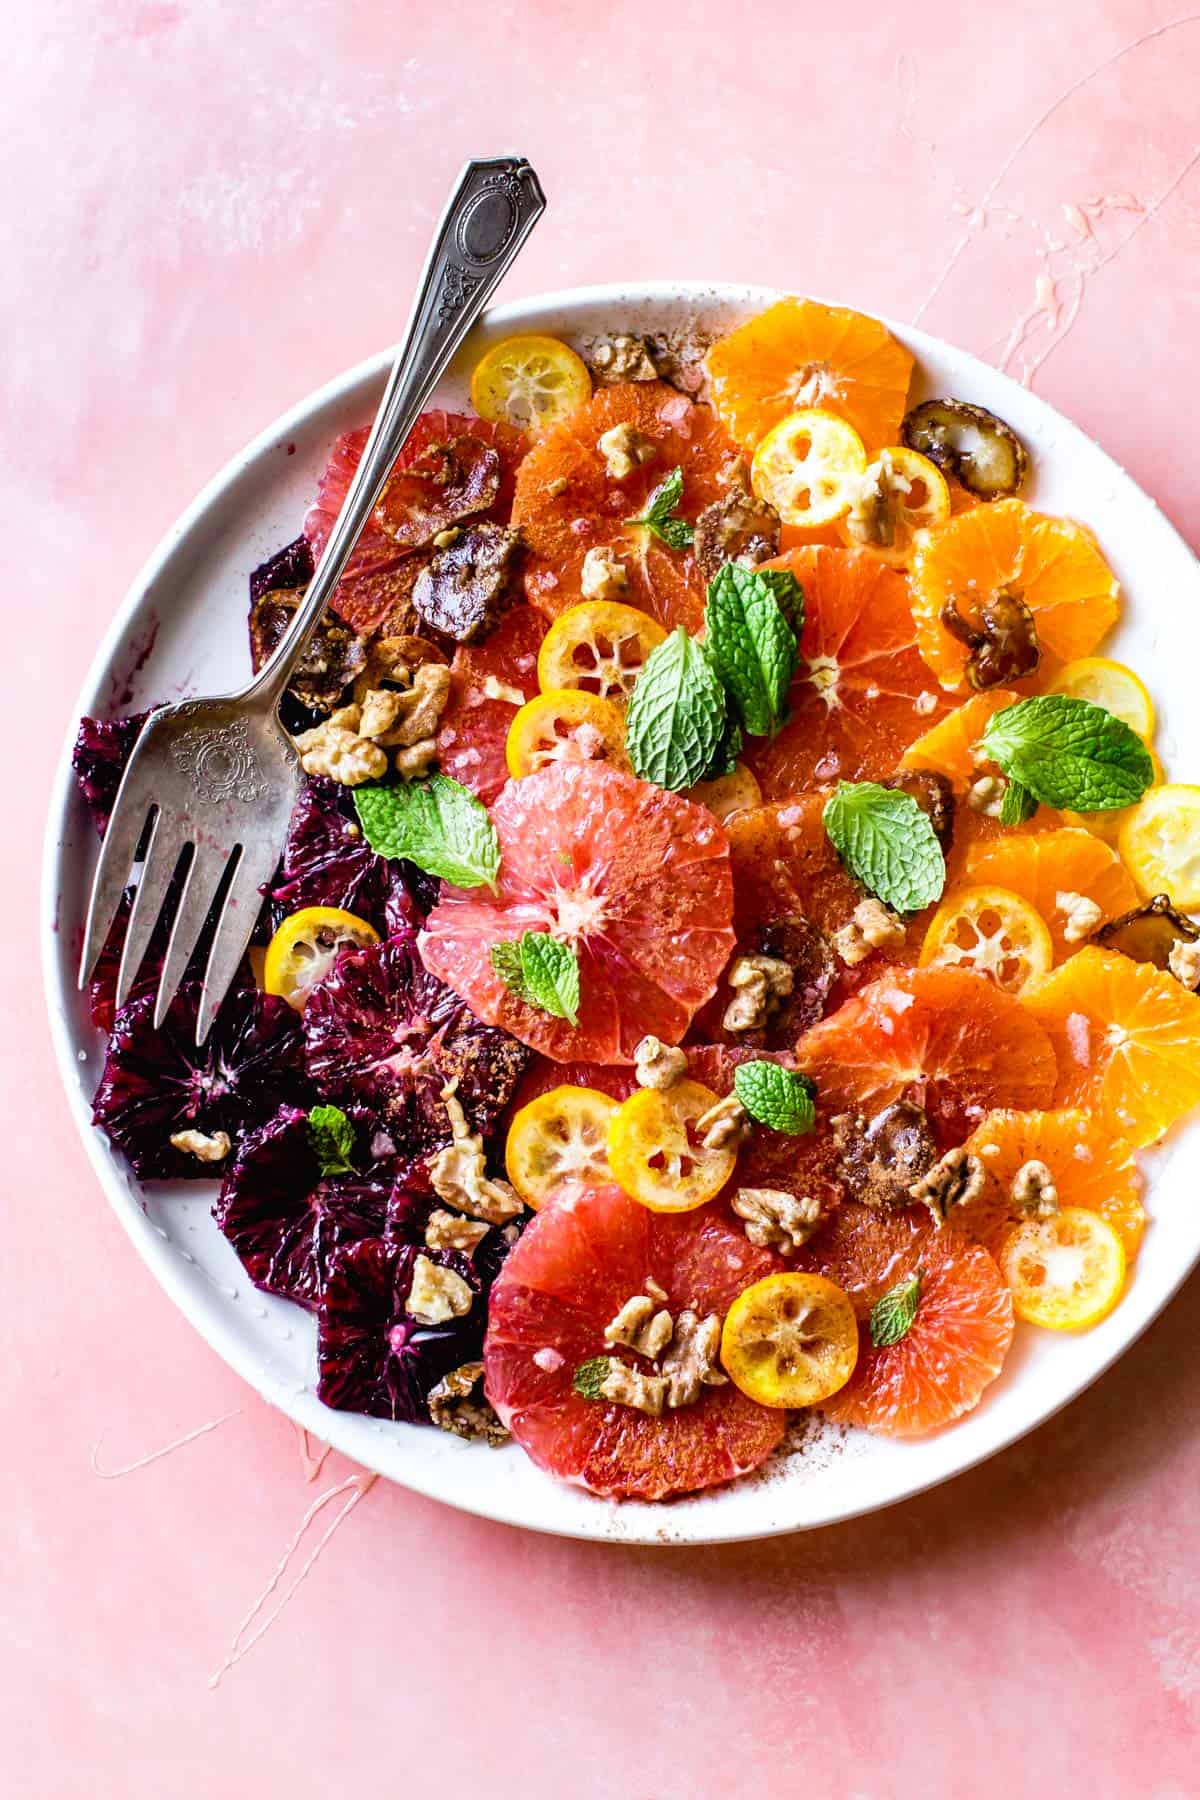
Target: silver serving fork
point(215, 780)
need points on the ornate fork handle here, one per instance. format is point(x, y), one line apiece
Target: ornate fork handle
point(489, 216)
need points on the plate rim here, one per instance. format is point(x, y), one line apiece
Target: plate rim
point(122, 1191)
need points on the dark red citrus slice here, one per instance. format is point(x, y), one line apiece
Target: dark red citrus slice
point(958, 1340)
point(580, 1260)
point(862, 692)
point(567, 504)
point(635, 878)
point(947, 1039)
point(486, 680)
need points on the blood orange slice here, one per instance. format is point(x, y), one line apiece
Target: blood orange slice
point(862, 692)
point(577, 1264)
point(488, 682)
point(567, 503)
point(635, 878)
point(957, 1342)
point(950, 1040)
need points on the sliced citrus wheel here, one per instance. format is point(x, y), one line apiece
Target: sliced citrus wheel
point(1088, 1166)
point(657, 1154)
point(306, 946)
point(1160, 842)
point(529, 381)
point(725, 795)
point(1050, 869)
point(634, 878)
point(960, 1333)
point(1003, 554)
point(599, 646)
point(950, 1040)
point(1065, 1272)
point(561, 1137)
point(489, 681)
point(790, 1340)
point(1111, 685)
point(901, 493)
point(800, 353)
point(567, 503)
point(862, 691)
point(948, 746)
point(809, 467)
point(1127, 1039)
point(992, 931)
point(577, 1264)
point(565, 725)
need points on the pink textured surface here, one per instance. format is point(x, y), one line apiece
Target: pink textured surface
point(218, 207)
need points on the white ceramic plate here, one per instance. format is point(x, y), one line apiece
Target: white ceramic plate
point(188, 606)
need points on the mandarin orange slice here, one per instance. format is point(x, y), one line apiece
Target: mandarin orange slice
point(948, 1039)
point(1045, 866)
point(1090, 1167)
point(957, 1342)
point(1127, 1039)
point(1006, 549)
point(947, 746)
point(861, 691)
point(567, 503)
point(800, 353)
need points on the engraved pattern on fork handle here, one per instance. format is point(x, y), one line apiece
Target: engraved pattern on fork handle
point(489, 216)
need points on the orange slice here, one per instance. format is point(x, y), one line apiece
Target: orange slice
point(1053, 565)
point(1045, 865)
point(1127, 1039)
point(800, 353)
point(1090, 1167)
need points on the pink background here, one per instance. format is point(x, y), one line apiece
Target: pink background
point(219, 205)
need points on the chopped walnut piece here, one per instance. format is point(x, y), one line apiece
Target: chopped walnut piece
point(986, 795)
point(625, 449)
point(622, 357)
point(391, 661)
point(659, 1065)
point(407, 716)
point(1081, 914)
point(602, 577)
point(640, 1326)
point(207, 1149)
point(691, 1362)
point(657, 1294)
point(724, 1125)
point(775, 1219)
point(455, 1406)
point(872, 926)
point(954, 1181)
point(437, 1295)
point(1184, 962)
point(451, 535)
point(412, 764)
point(336, 749)
point(1034, 1190)
point(450, 1231)
point(495, 689)
point(558, 486)
point(760, 984)
point(459, 1172)
point(630, 1387)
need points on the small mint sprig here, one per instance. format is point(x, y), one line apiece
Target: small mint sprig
point(1017, 805)
point(1069, 753)
point(437, 824)
point(893, 1313)
point(660, 517)
point(542, 971)
point(887, 842)
point(590, 1376)
point(676, 717)
point(331, 1137)
point(752, 643)
point(776, 1097)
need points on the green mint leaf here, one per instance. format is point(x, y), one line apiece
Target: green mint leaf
point(776, 1097)
point(893, 1313)
point(752, 646)
point(1069, 753)
point(789, 596)
point(724, 760)
point(887, 843)
point(659, 517)
point(1017, 805)
point(331, 1136)
point(437, 824)
point(676, 714)
point(541, 971)
point(590, 1376)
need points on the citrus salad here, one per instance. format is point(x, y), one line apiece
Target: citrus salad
point(733, 940)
